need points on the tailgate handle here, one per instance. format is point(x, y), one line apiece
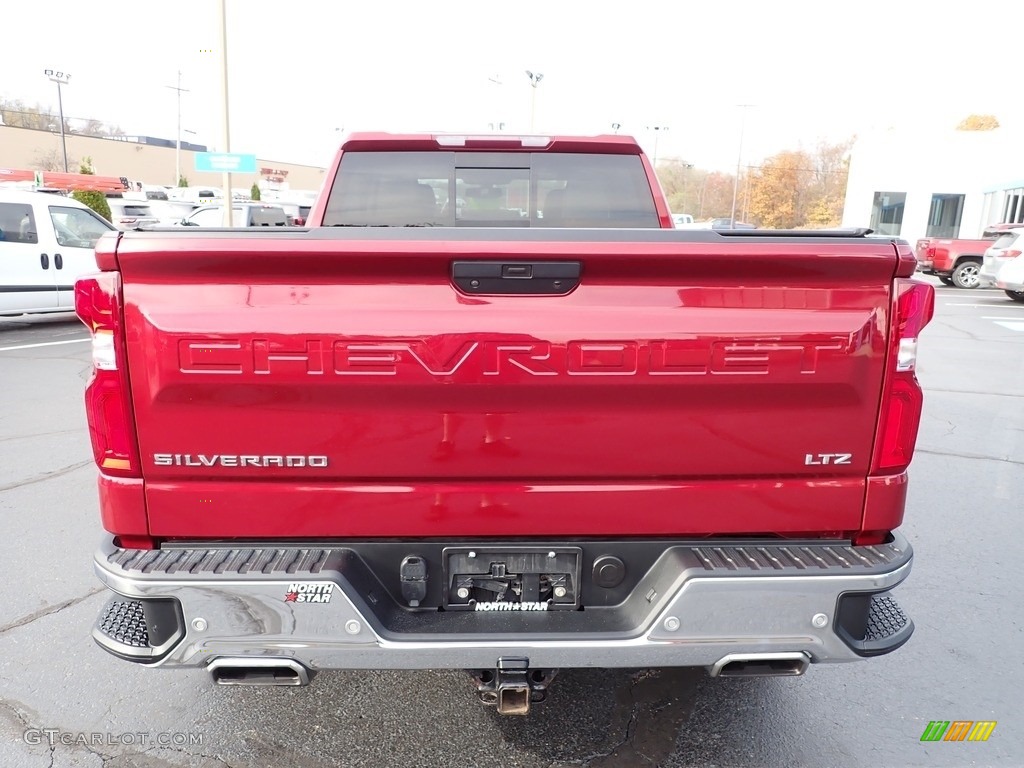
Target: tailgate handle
point(551, 278)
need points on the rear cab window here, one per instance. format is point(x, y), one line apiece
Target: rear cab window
point(269, 216)
point(137, 210)
point(490, 189)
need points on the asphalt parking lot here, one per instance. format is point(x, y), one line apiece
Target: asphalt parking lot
point(67, 703)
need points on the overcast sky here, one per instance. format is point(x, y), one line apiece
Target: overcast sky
point(299, 71)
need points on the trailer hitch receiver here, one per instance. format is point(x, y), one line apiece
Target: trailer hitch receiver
point(512, 685)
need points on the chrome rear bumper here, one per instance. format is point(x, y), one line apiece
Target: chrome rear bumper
point(702, 604)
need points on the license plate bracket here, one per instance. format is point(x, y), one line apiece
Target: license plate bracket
point(512, 578)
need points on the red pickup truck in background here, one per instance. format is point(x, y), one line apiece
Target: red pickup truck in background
point(957, 262)
point(491, 412)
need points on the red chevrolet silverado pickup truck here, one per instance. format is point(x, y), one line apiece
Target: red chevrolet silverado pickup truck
point(491, 412)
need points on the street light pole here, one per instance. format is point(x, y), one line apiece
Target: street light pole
point(657, 131)
point(534, 82)
point(60, 78)
point(739, 159)
point(498, 125)
point(686, 167)
point(226, 135)
point(177, 144)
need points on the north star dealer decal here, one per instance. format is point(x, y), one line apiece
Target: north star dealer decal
point(528, 606)
point(309, 593)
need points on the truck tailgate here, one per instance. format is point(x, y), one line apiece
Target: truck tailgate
point(340, 384)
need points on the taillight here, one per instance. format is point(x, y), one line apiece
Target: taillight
point(912, 308)
point(1011, 254)
point(107, 397)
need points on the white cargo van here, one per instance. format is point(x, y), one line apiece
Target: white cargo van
point(46, 242)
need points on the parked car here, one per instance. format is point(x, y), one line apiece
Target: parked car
point(681, 219)
point(131, 214)
point(196, 195)
point(1005, 249)
point(1011, 278)
point(46, 243)
point(727, 223)
point(243, 215)
point(297, 212)
point(170, 212)
point(958, 261)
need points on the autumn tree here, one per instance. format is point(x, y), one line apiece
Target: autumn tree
point(18, 114)
point(978, 123)
point(799, 189)
point(826, 194)
point(777, 192)
point(677, 181)
point(714, 198)
point(795, 189)
point(93, 127)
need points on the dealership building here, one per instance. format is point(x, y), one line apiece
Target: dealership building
point(144, 158)
point(915, 184)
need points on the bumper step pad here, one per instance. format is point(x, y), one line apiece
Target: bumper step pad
point(872, 624)
point(123, 622)
point(138, 630)
point(885, 619)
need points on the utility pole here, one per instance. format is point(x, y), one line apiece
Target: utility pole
point(177, 143)
point(739, 159)
point(534, 82)
point(60, 78)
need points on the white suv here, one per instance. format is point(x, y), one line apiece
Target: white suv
point(1005, 249)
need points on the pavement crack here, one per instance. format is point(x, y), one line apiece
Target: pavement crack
point(957, 329)
point(179, 750)
point(18, 714)
point(980, 457)
point(48, 611)
point(32, 435)
point(659, 702)
point(46, 475)
point(971, 392)
point(625, 749)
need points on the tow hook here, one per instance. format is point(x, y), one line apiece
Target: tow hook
point(512, 686)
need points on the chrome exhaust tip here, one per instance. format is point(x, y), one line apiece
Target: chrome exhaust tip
point(258, 671)
point(761, 665)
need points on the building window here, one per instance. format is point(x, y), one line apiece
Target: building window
point(944, 216)
point(1013, 207)
point(887, 212)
